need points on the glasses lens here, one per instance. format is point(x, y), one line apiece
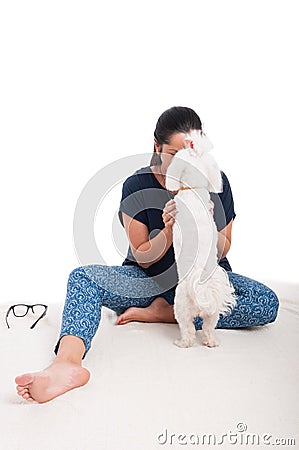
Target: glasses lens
point(38, 309)
point(20, 310)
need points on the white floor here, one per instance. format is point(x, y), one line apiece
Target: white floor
point(144, 391)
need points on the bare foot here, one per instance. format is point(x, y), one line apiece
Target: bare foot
point(58, 378)
point(158, 311)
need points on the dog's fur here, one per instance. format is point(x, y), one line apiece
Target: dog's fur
point(203, 289)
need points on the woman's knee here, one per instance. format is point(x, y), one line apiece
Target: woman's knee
point(272, 304)
point(83, 280)
point(260, 302)
point(264, 302)
point(83, 271)
point(76, 271)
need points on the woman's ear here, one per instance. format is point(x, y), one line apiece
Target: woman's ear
point(157, 146)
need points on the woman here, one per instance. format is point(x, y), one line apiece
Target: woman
point(143, 288)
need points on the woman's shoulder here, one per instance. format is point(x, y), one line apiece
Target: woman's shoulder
point(224, 178)
point(139, 179)
point(226, 199)
point(226, 186)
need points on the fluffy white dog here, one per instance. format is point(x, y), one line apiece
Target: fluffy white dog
point(204, 288)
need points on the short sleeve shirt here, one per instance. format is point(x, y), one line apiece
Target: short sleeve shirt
point(143, 198)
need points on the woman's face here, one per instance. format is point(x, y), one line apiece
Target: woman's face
point(167, 152)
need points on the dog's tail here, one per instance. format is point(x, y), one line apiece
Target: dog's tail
point(216, 293)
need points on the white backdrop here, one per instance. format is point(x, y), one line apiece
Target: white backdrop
point(83, 84)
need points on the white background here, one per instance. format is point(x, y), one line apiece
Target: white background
point(83, 84)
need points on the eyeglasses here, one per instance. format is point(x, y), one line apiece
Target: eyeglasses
point(20, 310)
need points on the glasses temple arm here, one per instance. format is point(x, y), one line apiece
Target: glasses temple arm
point(43, 315)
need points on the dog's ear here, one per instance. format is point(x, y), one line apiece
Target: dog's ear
point(198, 142)
point(213, 175)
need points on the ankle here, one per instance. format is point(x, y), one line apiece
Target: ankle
point(159, 303)
point(71, 349)
point(163, 310)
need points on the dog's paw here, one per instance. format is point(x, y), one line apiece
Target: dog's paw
point(210, 342)
point(184, 343)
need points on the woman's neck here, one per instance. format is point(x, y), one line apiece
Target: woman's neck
point(159, 175)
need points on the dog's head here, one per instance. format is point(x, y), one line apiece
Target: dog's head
point(194, 166)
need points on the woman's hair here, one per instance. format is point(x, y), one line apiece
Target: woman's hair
point(178, 119)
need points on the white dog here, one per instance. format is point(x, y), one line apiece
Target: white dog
point(204, 288)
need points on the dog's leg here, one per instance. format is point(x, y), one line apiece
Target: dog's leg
point(208, 330)
point(184, 314)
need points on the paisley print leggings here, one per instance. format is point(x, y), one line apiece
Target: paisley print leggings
point(120, 287)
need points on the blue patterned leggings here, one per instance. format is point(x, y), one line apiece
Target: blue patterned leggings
point(116, 287)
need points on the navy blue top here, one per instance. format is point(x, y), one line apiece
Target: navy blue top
point(144, 198)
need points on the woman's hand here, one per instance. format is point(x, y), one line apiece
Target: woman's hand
point(168, 214)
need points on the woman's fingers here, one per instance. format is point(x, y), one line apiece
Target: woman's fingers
point(169, 213)
point(170, 208)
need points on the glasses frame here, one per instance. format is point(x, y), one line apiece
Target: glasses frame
point(11, 308)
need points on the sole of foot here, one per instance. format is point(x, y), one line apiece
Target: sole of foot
point(52, 382)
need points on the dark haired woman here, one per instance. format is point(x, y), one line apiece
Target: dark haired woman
point(143, 287)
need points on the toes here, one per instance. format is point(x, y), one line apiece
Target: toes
point(128, 316)
point(24, 380)
point(23, 391)
point(122, 320)
point(27, 397)
point(20, 388)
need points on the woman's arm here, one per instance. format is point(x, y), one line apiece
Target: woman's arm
point(148, 251)
point(224, 240)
